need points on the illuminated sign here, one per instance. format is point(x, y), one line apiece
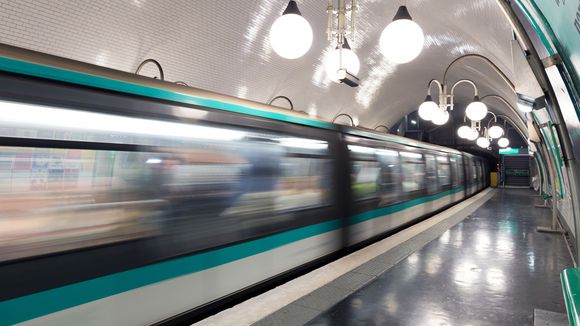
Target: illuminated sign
point(508, 150)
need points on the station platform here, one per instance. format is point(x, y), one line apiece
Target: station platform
point(481, 262)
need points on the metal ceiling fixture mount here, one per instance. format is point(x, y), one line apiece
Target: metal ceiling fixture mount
point(382, 126)
point(342, 64)
point(284, 98)
point(156, 63)
point(352, 120)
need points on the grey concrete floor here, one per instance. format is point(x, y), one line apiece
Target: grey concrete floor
point(493, 268)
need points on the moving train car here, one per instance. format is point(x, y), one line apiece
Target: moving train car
point(126, 200)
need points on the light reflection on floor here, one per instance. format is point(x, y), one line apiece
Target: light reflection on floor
point(491, 269)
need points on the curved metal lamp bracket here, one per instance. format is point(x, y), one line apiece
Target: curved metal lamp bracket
point(344, 115)
point(431, 82)
point(486, 59)
point(383, 126)
point(451, 94)
point(282, 97)
point(514, 110)
point(156, 63)
point(468, 81)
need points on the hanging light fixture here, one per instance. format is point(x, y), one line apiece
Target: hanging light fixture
point(503, 142)
point(428, 109)
point(342, 58)
point(472, 135)
point(495, 131)
point(441, 117)
point(483, 142)
point(476, 110)
point(291, 34)
point(402, 40)
point(464, 131)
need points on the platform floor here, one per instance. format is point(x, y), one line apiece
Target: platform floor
point(493, 268)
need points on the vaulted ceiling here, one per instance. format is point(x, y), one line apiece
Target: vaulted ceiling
point(222, 46)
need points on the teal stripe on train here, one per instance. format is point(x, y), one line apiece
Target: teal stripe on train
point(32, 69)
point(50, 301)
point(46, 302)
point(402, 206)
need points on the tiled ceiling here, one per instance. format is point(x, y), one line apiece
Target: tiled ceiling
point(222, 46)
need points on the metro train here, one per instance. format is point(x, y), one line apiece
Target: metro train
point(129, 201)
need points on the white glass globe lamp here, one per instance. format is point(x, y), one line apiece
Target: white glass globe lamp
point(402, 40)
point(441, 117)
point(483, 142)
point(428, 109)
point(473, 134)
point(291, 34)
point(349, 61)
point(495, 131)
point(464, 131)
point(503, 142)
point(476, 110)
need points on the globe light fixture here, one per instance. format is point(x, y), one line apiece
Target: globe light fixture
point(428, 109)
point(341, 58)
point(441, 117)
point(483, 142)
point(473, 134)
point(476, 110)
point(291, 34)
point(464, 131)
point(402, 40)
point(495, 131)
point(503, 142)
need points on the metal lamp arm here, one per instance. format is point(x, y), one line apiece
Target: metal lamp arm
point(452, 92)
point(469, 81)
point(484, 58)
point(514, 110)
point(344, 115)
point(431, 84)
point(156, 63)
point(490, 120)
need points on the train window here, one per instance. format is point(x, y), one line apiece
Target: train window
point(389, 179)
point(200, 186)
point(413, 172)
point(444, 171)
point(460, 172)
point(454, 171)
point(366, 171)
point(431, 174)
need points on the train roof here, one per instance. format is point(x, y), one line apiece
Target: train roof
point(31, 63)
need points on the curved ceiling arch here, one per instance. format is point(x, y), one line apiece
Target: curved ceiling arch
point(223, 46)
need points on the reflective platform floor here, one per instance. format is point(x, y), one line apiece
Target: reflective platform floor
point(493, 268)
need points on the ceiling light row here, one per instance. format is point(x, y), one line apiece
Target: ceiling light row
point(291, 37)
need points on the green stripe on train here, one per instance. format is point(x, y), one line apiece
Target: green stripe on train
point(401, 206)
point(50, 301)
point(36, 70)
point(54, 300)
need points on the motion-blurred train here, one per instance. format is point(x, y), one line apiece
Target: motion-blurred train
point(127, 200)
